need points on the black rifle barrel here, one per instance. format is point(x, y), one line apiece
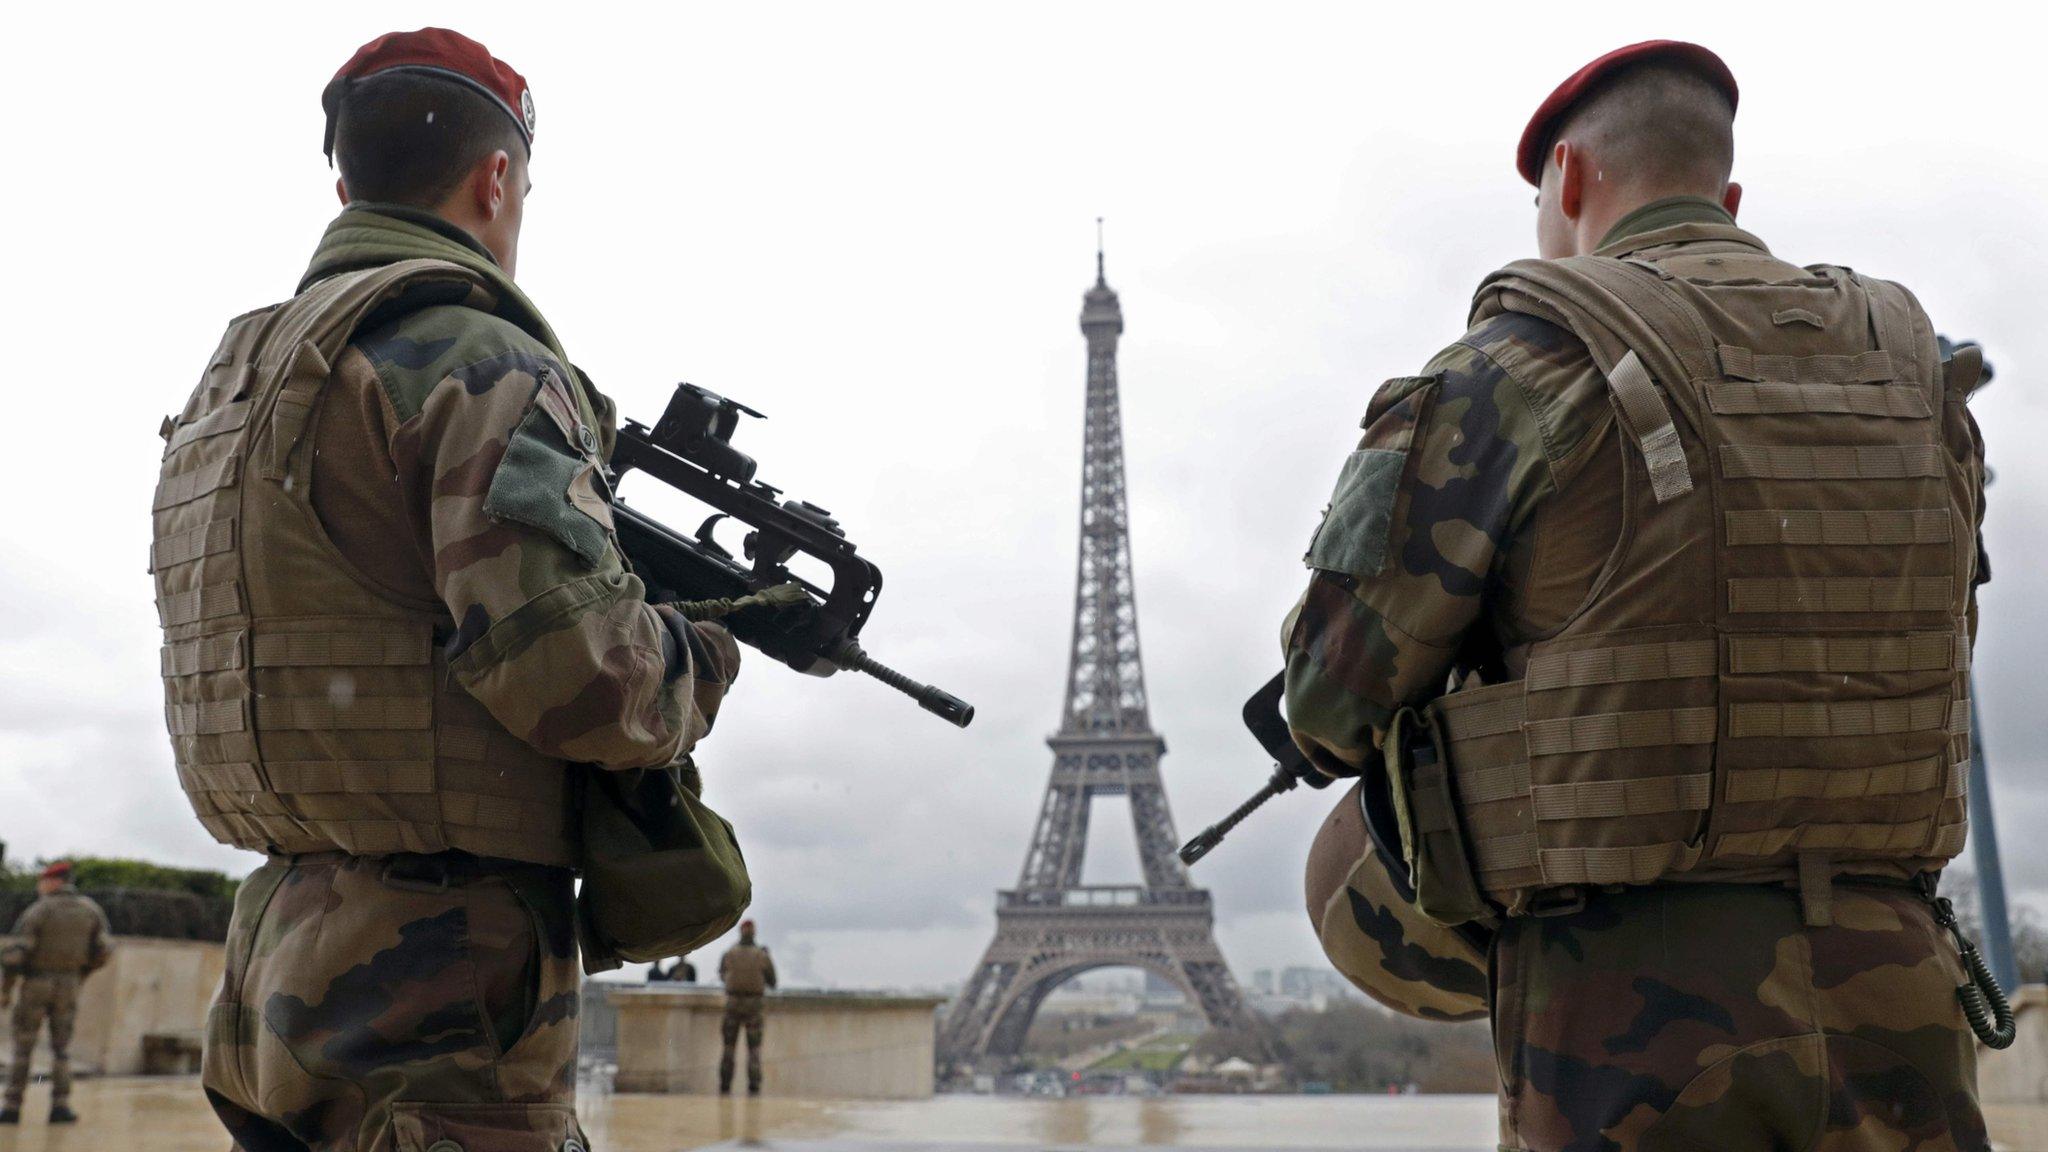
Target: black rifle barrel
point(1283, 780)
point(936, 701)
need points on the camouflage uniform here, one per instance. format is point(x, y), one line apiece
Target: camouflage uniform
point(748, 972)
point(395, 1001)
point(1703, 1016)
point(65, 935)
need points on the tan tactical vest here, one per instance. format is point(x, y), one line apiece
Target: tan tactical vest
point(306, 711)
point(69, 933)
point(745, 970)
point(1769, 678)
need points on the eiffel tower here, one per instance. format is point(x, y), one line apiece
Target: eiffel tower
point(1052, 927)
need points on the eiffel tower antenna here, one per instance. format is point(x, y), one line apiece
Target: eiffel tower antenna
point(1052, 927)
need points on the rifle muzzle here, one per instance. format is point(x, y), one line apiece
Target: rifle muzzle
point(937, 701)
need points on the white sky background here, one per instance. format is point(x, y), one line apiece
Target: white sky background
point(875, 222)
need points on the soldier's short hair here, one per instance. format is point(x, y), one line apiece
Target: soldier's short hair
point(1658, 123)
point(407, 137)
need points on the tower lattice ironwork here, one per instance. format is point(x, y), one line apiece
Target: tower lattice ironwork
point(1052, 927)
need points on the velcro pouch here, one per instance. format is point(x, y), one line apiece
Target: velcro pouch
point(1432, 836)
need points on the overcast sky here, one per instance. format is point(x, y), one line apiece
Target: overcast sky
point(874, 222)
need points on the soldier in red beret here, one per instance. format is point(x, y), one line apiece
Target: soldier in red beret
point(397, 629)
point(1643, 614)
point(59, 940)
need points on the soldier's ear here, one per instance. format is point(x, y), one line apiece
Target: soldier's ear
point(341, 191)
point(492, 179)
point(1571, 179)
point(1731, 197)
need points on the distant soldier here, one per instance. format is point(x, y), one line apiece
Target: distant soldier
point(1644, 612)
point(748, 972)
point(63, 938)
point(398, 632)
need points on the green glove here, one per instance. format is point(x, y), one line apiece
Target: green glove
point(780, 596)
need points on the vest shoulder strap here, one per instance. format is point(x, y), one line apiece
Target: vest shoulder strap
point(1638, 333)
point(1904, 333)
point(308, 333)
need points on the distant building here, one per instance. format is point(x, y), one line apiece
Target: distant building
point(1308, 983)
point(1298, 987)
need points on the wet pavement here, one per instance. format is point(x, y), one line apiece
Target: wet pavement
point(170, 1115)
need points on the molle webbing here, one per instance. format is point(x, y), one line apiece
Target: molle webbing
point(1831, 462)
point(1771, 682)
point(1636, 662)
point(307, 712)
point(1826, 526)
point(1744, 398)
point(1857, 594)
point(1914, 652)
point(1874, 367)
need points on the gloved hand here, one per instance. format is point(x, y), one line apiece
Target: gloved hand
point(771, 599)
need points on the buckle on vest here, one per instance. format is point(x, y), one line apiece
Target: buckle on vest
point(1557, 901)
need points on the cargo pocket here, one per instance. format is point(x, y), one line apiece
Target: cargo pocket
point(1432, 836)
point(486, 1128)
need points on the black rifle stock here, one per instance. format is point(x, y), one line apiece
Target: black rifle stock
point(690, 449)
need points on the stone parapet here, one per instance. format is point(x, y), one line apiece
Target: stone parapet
point(150, 987)
point(863, 1046)
point(2019, 1074)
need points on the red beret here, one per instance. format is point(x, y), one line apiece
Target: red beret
point(1529, 154)
point(442, 53)
point(57, 870)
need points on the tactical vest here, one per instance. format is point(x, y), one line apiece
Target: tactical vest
point(308, 712)
point(1768, 680)
point(68, 935)
point(745, 970)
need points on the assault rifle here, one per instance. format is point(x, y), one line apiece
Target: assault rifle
point(816, 631)
point(1262, 716)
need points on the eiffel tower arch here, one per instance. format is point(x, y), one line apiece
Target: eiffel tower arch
point(1052, 927)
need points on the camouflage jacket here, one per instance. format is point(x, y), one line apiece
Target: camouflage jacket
point(1492, 531)
point(446, 472)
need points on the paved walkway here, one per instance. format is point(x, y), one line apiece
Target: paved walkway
point(170, 1115)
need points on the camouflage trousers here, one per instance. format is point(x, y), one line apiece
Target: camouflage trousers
point(398, 1004)
point(1712, 1017)
point(742, 1012)
point(53, 998)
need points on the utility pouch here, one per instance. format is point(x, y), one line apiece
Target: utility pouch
point(1432, 837)
point(662, 872)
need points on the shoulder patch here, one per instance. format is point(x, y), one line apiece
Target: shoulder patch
point(552, 478)
point(1358, 522)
